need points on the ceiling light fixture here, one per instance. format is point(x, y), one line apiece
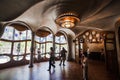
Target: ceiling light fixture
point(67, 20)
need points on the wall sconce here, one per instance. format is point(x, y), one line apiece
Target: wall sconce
point(93, 36)
point(93, 32)
point(67, 20)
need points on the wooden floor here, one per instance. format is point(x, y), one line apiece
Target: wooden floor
point(71, 71)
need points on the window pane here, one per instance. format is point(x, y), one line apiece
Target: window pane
point(18, 58)
point(28, 46)
point(4, 59)
point(42, 39)
point(27, 57)
point(17, 35)
point(19, 48)
point(57, 47)
point(57, 39)
point(48, 45)
point(23, 35)
point(50, 37)
point(37, 38)
point(37, 46)
point(8, 33)
point(60, 39)
point(43, 48)
point(47, 55)
point(65, 46)
point(5, 47)
point(29, 34)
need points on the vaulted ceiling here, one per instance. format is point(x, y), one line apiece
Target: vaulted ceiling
point(93, 14)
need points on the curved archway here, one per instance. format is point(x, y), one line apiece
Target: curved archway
point(15, 35)
point(45, 28)
point(18, 23)
point(70, 36)
point(61, 40)
point(44, 39)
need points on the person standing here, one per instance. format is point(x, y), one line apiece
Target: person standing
point(85, 67)
point(51, 60)
point(88, 52)
point(62, 56)
point(39, 56)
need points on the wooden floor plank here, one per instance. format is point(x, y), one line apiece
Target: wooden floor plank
point(71, 71)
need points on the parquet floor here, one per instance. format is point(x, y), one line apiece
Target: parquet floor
point(71, 71)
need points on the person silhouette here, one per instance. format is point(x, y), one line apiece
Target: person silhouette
point(38, 51)
point(62, 56)
point(51, 60)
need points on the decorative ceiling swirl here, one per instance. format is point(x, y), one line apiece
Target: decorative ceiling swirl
point(98, 14)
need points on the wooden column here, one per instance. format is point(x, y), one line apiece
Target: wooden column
point(111, 53)
point(54, 42)
point(25, 45)
point(70, 46)
point(12, 45)
point(32, 51)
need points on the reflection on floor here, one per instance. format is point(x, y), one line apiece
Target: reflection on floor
point(71, 71)
point(97, 71)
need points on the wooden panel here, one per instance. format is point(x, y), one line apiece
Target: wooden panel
point(111, 55)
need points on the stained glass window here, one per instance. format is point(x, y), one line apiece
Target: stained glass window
point(8, 33)
point(19, 48)
point(49, 37)
point(5, 47)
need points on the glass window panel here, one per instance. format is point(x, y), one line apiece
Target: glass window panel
point(57, 55)
point(4, 59)
point(29, 34)
point(19, 48)
point(42, 39)
point(57, 39)
point(8, 33)
point(5, 47)
point(18, 58)
point(17, 35)
point(57, 48)
point(48, 45)
point(50, 37)
point(81, 46)
point(23, 35)
point(27, 57)
point(22, 47)
point(37, 46)
point(43, 48)
point(60, 39)
point(20, 35)
point(43, 56)
point(28, 46)
point(47, 56)
point(37, 38)
point(36, 56)
point(65, 46)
